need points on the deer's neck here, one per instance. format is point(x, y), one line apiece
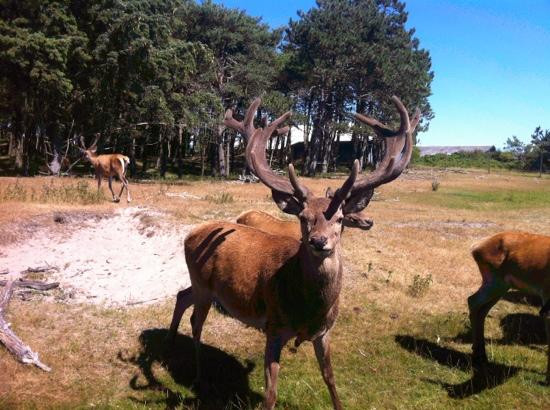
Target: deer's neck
point(94, 160)
point(323, 274)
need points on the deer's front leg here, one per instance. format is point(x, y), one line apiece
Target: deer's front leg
point(322, 351)
point(273, 347)
point(99, 177)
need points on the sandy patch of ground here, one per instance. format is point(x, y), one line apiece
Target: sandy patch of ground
point(132, 256)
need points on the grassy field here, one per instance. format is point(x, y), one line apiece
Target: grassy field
point(401, 341)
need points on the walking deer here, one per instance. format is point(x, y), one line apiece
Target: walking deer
point(107, 166)
point(284, 287)
point(507, 260)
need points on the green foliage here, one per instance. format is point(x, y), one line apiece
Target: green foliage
point(468, 160)
point(152, 78)
point(354, 53)
point(533, 156)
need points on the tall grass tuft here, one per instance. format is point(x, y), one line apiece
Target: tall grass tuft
point(223, 198)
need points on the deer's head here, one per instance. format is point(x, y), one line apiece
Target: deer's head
point(87, 152)
point(322, 218)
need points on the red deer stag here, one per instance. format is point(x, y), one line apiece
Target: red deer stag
point(284, 287)
point(107, 166)
point(275, 226)
point(507, 260)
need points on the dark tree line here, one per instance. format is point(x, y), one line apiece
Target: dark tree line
point(532, 156)
point(153, 78)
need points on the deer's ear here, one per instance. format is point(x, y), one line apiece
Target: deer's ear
point(329, 193)
point(287, 203)
point(357, 203)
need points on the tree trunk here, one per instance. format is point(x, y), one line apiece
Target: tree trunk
point(180, 149)
point(132, 156)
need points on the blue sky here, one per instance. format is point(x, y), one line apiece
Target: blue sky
point(491, 60)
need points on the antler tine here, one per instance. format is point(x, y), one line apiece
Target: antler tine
point(82, 142)
point(398, 148)
point(245, 127)
point(94, 144)
point(415, 120)
point(383, 130)
point(298, 188)
point(255, 156)
point(342, 193)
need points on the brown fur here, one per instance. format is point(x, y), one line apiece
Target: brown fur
point(109, 166)
point(507, 260)
point(285, 287)
point(268, 223)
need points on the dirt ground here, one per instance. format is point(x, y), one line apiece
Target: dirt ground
point(120, 266)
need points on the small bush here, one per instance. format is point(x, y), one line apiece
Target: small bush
point(420, 285)
point(435, 185)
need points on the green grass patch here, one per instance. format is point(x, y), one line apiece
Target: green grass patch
point(482, 200)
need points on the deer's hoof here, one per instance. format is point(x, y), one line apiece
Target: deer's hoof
point(116, 200)
point(129, 200)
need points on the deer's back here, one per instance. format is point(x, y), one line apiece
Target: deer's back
point(270, 224)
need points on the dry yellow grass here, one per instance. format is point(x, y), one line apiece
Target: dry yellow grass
point(101, 357)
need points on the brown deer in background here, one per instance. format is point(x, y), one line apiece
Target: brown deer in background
point(284, 287)
point(507, 260)
point(275, 226)
point(107, 166)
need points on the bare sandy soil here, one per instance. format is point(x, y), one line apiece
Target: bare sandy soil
point(130, 257)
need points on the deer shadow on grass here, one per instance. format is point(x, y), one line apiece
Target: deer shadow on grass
point(492, 376)
point(226, 377)
point(521, 298)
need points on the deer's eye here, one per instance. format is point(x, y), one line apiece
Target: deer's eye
point(340, 220)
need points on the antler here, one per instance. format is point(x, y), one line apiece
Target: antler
point(398, 149)
point(82, 144)
point(92, 146)
point(245, 127)
point(255, 150)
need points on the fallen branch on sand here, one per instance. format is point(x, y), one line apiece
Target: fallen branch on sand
point(32, 284)
point(8, 338)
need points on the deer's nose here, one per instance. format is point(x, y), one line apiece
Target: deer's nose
point(318, 242)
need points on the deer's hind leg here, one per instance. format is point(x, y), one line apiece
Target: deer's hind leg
point(115, 198)
point(201, 306)
point(124, 183)
point(479, 304)
point(184, 300)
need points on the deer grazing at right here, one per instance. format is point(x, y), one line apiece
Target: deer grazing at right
point(284, 287)
point(107, 166)
point(518, 260)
